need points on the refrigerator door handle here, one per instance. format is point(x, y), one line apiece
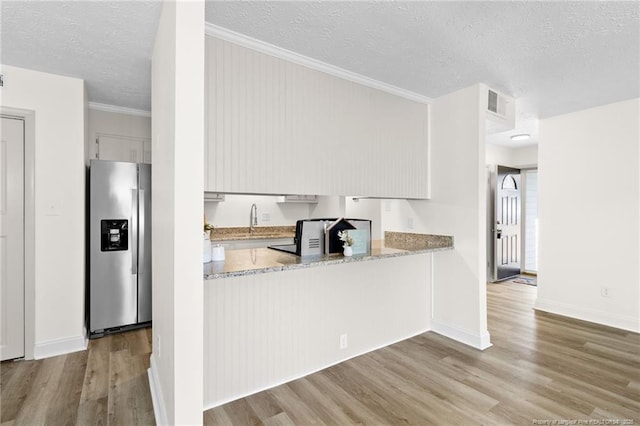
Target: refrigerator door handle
point(134, 231)
point(141, 225)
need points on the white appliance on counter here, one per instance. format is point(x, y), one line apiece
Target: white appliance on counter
point(310, 239)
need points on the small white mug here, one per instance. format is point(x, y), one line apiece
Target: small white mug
point(217, 253)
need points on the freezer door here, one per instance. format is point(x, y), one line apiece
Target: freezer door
point(113, 244)
point(144, 243)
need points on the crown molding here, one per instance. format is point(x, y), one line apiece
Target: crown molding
point(270, 49)
point(118, 109)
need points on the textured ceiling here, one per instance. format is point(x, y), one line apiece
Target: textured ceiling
point(433, 48)
point(106, 43)
point(554, 57)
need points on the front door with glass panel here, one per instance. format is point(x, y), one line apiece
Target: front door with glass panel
point(507, 223)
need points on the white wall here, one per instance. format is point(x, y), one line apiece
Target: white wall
point(177, 144)
point(58, 105)
point(589, 215)
point(234, 211)
point(367, 209)
point(526, 157)
point(512, 157)
point(328, 206)
point(400, 216)
point(498, 154)
point(115, 124)
point(458, 208)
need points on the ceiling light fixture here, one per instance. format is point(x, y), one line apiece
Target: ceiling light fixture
point(520, 137)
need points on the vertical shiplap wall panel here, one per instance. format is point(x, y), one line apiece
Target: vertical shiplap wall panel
point(216, 109)
point(262, 330)
point(279, 127)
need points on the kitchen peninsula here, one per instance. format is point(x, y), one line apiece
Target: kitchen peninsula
point(261, 260)
point(271, 317)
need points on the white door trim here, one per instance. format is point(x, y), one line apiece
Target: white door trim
point(29, 226)
point(525, 222)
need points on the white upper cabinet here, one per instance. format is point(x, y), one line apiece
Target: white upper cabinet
point(123, 148)
point(277, 127)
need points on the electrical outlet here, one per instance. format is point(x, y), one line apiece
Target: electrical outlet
point(266, 217)
point(410, 223)
point(604, 292)
point(343, 341)
point(156, 349)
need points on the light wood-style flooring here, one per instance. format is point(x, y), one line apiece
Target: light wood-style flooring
point(541, 367)
point(105, 385)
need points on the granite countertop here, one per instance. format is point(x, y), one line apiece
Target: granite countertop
point(259, 232)
point(262, 260)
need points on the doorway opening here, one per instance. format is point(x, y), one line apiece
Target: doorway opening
point(504, 248)
point(512, 225)
point(25, 120)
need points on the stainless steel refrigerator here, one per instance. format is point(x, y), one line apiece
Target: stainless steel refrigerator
point(119, 263)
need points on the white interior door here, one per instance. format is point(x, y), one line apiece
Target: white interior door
point(123, 148)
point(11, 238)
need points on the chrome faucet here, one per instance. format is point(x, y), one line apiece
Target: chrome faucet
point(253, 218)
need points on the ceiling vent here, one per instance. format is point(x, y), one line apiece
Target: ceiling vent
point(497, 104)
point(500, 112)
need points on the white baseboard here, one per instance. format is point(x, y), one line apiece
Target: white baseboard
point(59, 347)
point(213, 404)
point(610, 319)
point(478, 341)
point(156, 393)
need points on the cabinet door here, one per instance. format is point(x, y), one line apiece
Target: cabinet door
point(122, 148)
point(276, 127)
